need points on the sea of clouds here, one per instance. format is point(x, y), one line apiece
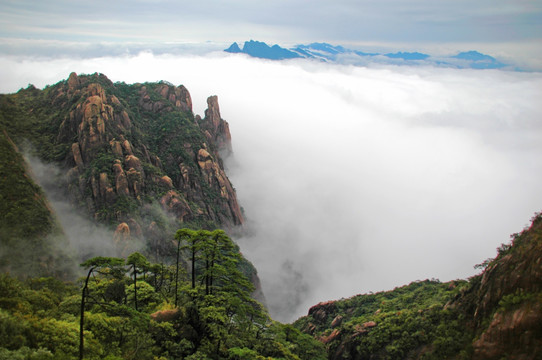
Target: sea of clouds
point(355, 179)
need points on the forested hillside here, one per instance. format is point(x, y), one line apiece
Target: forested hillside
point(494, 315)
point(130, 308)
point(133, 158)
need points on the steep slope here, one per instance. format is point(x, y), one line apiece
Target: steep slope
point(508, 298)
point(132, 157)
point(495, 315)
point(31, 241)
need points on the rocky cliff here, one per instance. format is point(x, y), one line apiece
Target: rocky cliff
point(132, 157)
point(495, 315)
point(508, 311)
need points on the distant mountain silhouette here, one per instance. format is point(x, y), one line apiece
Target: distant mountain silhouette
point(408, 56)
point(478, 60)
point(339, 54)
point(262, 50)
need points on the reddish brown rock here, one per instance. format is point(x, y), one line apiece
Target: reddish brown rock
point(176, 204)
point(334, 334)
point(369, 324)
point(205, 161)
point(132, 162)
point(513, 333)
point(321, 311)
point(135, 181)
point(104, 184)
point(127, 147)
point(183, 100)
point(165, 181)
point(217, 129)
point(91, 116)
point(125, 120)
point(214, 175)
point(114, 100)
point(110, 196)
point(121, 183)
point(116, 148)
point(77, 157)
point(73, 83)
point(165, 315)
point(337, 321)
point(163, 90)
point(155, 160)
point(122, 233)
point(135, 228)
point(95, 187)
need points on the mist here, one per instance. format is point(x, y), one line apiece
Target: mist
point(356, 179)
point(86, 239)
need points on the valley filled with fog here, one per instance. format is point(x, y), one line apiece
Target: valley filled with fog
point(355, 179)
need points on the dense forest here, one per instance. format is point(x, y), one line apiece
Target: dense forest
point(134, 309)
point(164, 281)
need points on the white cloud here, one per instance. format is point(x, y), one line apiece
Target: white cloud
point(356, 179)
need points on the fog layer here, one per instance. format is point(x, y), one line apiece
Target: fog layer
point(357, 179)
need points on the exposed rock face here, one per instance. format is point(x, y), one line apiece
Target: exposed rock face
point(90, 119)
point(216, 129)
point(176, 204)
point(195, 182)
point(511, 273)
point(213, 174)
point(337, 321)
point(515, 333)
point(166, 182)
point(321, 314)
point(135, 157)
point(77, 155)
point(121, 183)
point(122, 233)
point(179, 97)
point(516, 330)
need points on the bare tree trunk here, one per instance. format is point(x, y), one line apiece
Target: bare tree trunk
point(82, 320)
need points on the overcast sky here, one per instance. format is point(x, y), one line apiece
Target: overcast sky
point(510, 24)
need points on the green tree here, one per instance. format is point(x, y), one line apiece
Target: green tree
point(180, 235)
point(139, 265)
point(194, 245)
point(94, 264)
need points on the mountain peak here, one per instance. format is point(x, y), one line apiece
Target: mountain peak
point(234, 48)
point(261, 50)
point(338, 54)
point(479, 60)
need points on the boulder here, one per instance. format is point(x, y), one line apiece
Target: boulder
point(121, 183)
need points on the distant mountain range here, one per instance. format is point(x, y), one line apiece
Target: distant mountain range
point(330, 53)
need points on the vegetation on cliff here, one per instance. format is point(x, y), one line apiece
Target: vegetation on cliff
point(494, 315)
point(126, 310)
point(133, 158)
point(30, 237)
